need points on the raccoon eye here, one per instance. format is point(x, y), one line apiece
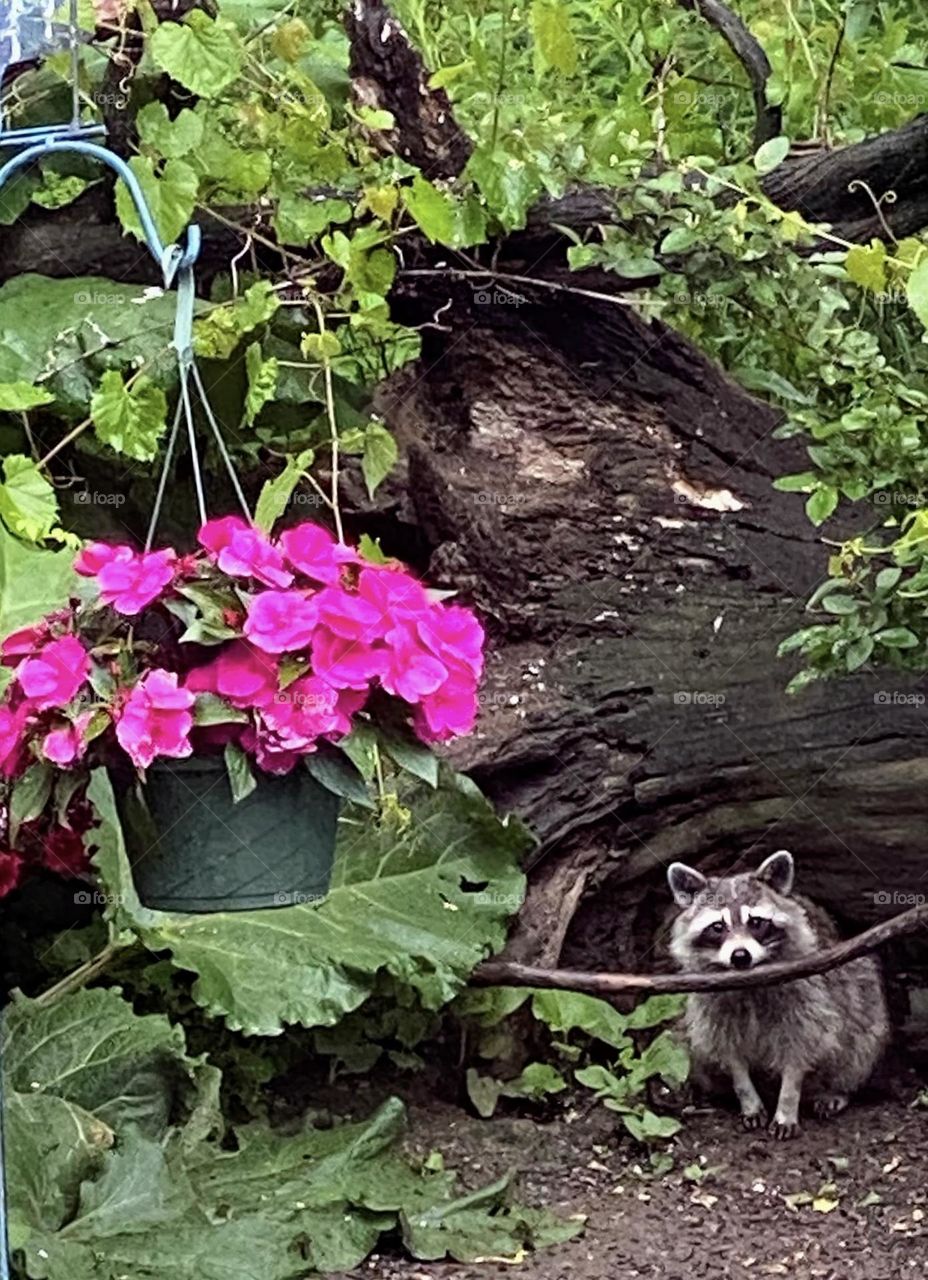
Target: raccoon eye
point(760, 924)
point(716, 929)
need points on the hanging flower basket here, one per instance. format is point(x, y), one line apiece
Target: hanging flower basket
point(214, 686)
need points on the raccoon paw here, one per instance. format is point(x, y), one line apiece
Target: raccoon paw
point(829, 1104)
point(784, 1129)
point(753, 1119)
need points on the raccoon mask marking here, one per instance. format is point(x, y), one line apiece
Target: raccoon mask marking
point(737, 922)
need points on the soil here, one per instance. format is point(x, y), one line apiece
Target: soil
point(846, 1200)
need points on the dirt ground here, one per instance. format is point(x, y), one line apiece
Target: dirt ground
point(846, 1200)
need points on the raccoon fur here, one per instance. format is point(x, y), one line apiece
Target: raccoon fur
point(820, 1037)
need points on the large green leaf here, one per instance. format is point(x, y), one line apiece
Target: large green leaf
point(424, 902)
point(33, 582)
point(62, 334)
point(96, 1053)
point(205, 55)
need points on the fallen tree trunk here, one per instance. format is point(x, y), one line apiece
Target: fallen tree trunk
point(605, 495)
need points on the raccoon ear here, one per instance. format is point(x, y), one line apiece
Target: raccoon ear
point(685, 882)
point(777, 871)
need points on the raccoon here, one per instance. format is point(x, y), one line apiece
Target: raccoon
point(820, 1036)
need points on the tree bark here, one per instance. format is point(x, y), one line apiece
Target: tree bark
point(605, 496)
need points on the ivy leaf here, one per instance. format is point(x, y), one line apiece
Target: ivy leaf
point(20, 397)
point(917, 291)
point(171, 195)
point(28, 503)
point(131, 420)
point(172, 139)
point(262, 381)
point(771, 153)
point(432, 210)
point(379, 458)
point(866, 266)
point(299, 220)
point(555, 46)
point(218, 334)
point(203, 54)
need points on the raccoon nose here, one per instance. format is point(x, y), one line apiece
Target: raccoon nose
point(741, 959)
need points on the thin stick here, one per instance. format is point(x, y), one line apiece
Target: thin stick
point(506, 973)
point(459, 272)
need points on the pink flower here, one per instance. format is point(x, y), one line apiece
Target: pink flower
point(449, 712)
point(345, 664)
point(54, 677)
point(383, 599)
point(241, 673)
point(12, 726)
point(67, 745)
point(23, 644)
point(312, 550)
point(244, 552)
point(280, 621)
point(131, 584)
point(156, 719)
point(91, 559)
point(412, 672)
point(454, 635)
point(11, 872)
point(309, 709)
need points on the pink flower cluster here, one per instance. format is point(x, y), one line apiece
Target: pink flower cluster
point(317, 628)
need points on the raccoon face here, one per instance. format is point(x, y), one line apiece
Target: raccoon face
point(735, 922)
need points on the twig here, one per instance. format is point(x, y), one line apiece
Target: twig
point(80, 977)
point(529, 282)
point(507, 973)
point(749, 52)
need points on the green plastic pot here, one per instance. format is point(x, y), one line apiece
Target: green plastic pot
point(192, 849)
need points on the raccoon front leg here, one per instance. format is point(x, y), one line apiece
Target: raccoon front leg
point(786, 1118)
point(753, 1115)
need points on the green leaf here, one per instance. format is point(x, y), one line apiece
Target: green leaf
point(33, 582)
point(28, 503)
point(649, 1127)
point(898, 638)
point(210, 708)
point(888, 578)
point(262, 381)
point(800, 482)
point(338, 774)
point(218, 334)
point(380, 456)
point(171, 195)
point(241, 778)
point(203, 54)
point(410, 754)
point(130, 419)
point(841, 605)
point(858, 651)
point(821, 503)
point(299, 220)
point(538, 1080)
point(31, 793)
point(19, 397)
point(566, 1011)
point(916, 291)
point(172, 139)
point(555, 46)
point(423, 902)
point(655, 1010)
point(484, 1092)
point(433, 210)
point(866, 266)
point(771, 153)
point(276, 494)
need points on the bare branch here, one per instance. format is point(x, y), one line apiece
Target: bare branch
point(509, 974)
point(748, 51)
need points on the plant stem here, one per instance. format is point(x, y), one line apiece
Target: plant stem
point(81, 976)
point(333, 421)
